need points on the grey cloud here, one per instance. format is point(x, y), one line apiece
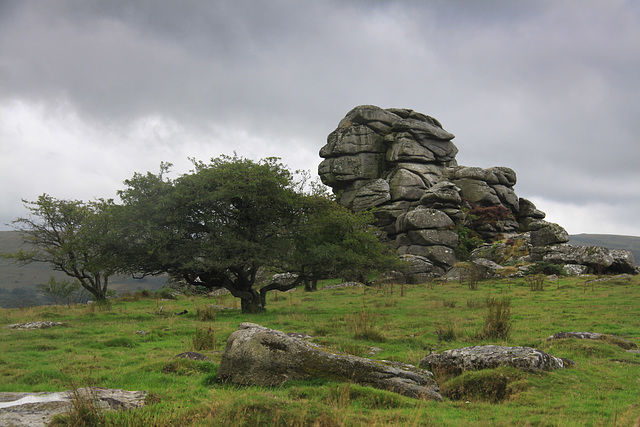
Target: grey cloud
point(547, 88)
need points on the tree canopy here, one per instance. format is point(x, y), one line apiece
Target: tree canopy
point(220, 224)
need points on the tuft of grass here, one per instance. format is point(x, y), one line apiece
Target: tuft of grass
point(204, 339)
point(497, 323)
point(363, 327)
point(206, 314)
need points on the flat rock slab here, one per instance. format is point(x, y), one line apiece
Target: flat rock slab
point(620, 342)
point(38, 409)
point(255, 355)
point(34, 325)
point(454, 362)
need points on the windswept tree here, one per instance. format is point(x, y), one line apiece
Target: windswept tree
point(332, 241)
point(220, 224)
point(70, 235)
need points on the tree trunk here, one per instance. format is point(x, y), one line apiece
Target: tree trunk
point(252, 306)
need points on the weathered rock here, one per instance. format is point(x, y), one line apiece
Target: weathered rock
point(371, 195)
point(441, 256)
point(428, 238)
point(255, 355)
point(192, 356)
point(406, 185)
point(477, 192)
point(549, 235)
point(484, 268)
point(423, 218)
point(444, 194)
point(37, 409)
point(575, 269)
point(528, 209)
point(623, 261)
point(35, 325)
point(420, 269)
point(454, 362)
point(613, 339)
point(597, 258)
point(344, 285)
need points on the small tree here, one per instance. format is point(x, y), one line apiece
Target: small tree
point(70, 235)
point(63, 291)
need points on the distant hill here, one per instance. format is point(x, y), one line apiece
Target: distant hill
point(18, 283)
point(611, 241)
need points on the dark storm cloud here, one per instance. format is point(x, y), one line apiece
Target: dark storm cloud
point(546, 88)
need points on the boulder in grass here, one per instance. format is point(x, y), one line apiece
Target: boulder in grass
point(255, 355)
point(620, 342)
point(456, 361)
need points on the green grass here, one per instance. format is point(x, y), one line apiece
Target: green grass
point(100, 347)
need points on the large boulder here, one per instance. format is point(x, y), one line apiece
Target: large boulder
point(550, 234)
point(255, 355)
point(454, 362)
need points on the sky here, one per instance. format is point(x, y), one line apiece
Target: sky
point(93, 91)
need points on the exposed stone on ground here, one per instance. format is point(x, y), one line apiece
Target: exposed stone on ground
point(192, 356)
point(613, 339)
point(454, 362)
point(344, 285)
point(38, 409)
point(35, 325)
point(255, 355)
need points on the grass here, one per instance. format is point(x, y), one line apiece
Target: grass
point(100, 347)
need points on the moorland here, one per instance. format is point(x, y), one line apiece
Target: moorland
point(101, 345)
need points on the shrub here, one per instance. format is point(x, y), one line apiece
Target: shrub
point(536, 282)
point(165, 293)
point(450, 303)
point(497, 324)
point(545, 267)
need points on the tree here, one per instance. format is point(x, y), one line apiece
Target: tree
point(332, 241)
point(220, 224)
point(71, 236)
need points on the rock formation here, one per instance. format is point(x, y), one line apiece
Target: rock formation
point(454, 362)
point(255, 355)
point(403, 163)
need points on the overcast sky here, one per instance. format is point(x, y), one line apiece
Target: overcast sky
point(93, 91)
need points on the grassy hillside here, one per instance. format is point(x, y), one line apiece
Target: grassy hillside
point(18, 283)
point(611, 241)
point(100, 346)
